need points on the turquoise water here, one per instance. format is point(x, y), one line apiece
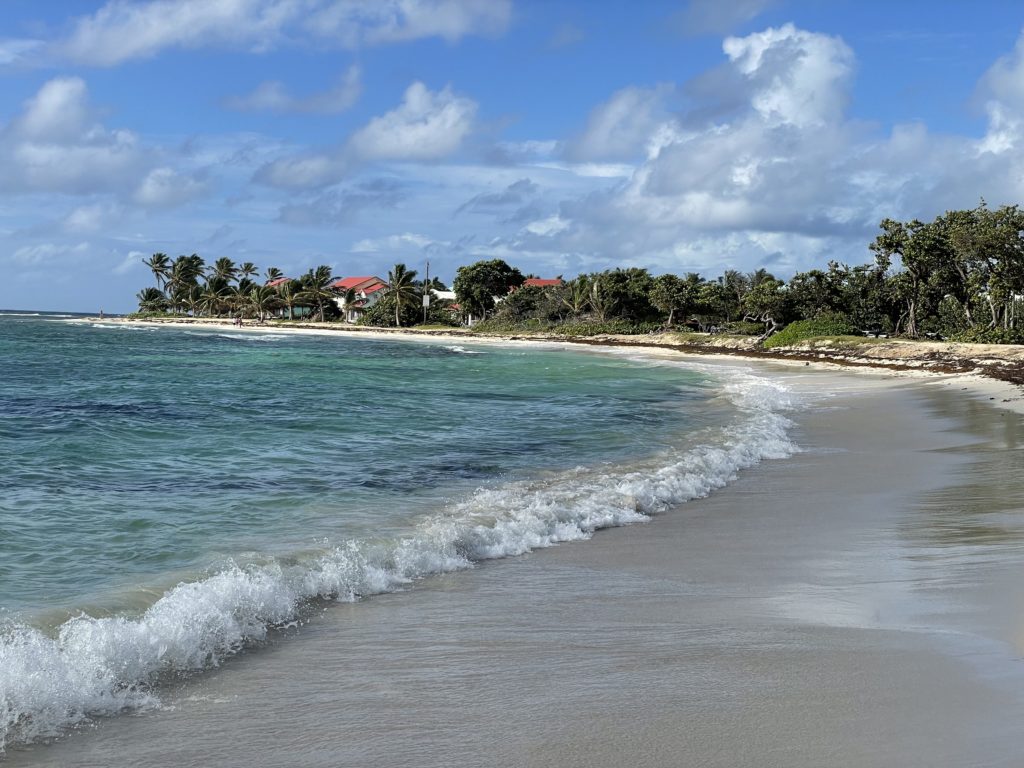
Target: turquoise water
point(168, 495)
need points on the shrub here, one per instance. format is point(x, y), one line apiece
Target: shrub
point(823, 325)
point(618, 327)
point(990, 336)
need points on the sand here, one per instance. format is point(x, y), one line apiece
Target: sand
point(856, 605)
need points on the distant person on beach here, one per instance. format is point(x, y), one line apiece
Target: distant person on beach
point(101, 314)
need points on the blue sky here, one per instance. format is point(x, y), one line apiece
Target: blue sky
point(697, 135)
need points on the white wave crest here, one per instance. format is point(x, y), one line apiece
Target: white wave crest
point(102, 666)
point(254, 336)
point(462, 350)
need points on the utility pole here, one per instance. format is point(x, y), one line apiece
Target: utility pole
point(426, 293)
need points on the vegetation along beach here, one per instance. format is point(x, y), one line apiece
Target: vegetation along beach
point(445, 412)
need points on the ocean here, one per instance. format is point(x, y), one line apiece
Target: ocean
point(173, 496)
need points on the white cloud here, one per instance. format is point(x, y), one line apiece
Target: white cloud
point(14, 51)
point(273, 96)
point(56, 146)
point(425, 126)
point(391, 243)
point(304, 172)
point(166, 188)
point(368, 22)
point(121, 30)
point(129, 263)
point(45, 253)
point(800, 77)
point(90, 218)
point(621, 126)
point(57, 113)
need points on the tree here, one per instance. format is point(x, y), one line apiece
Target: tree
point(478, 285)
point(152, 300)
point(223, 269)
point(766, 303)
point(160, 264)
point(263, 300)
point(670, 294)
point(247, 270)
point(289, 293)
point(353, 305)
point(402, 289)
point(316, 289)
point(272, 274)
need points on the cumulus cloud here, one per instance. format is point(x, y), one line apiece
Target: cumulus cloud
point(392, 243)
point(56, 145)
point(166, 188)
point(425, 126)
point(622, 126)
point(273, 96)
point(90, 218)
point(122, 30)
point(773, 172)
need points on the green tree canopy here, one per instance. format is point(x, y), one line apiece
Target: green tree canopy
point(478, 285)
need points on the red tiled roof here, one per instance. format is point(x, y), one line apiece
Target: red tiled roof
point(542, 282)
point(353, 282)
point(374, 288)
point(277, 282)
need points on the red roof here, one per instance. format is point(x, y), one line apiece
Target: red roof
point(277, 282)
point(354, 282)
point(374, 288)
point(542, 282)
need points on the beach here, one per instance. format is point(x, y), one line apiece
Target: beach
point(857, 603)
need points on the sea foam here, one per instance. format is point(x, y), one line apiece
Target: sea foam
point(102, 666)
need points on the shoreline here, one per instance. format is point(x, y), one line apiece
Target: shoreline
point(750, 627)
point(992, 372)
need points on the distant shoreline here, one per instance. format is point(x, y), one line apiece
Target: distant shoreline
point(993, 370)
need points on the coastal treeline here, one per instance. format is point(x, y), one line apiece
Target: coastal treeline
point(959, 277)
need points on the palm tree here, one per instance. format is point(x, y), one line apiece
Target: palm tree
point(152, 300)
point(316, 288)
point(601, 304)
point(223, 269)
point(289, 293)
point(185, 274)
point(353, 304)
point(576, 295)
point(263, 301)
point(247, 270)
point(161, 266)
point(215, 294)
point(273, 273)
point(402, 289)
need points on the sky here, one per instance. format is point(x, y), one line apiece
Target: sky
point(560, 136)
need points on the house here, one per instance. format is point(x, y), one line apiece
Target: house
point(368, 290)
point(542, 282)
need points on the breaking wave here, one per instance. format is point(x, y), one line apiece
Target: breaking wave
point(93, 667)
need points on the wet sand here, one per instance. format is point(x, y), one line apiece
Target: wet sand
point(858, 604)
